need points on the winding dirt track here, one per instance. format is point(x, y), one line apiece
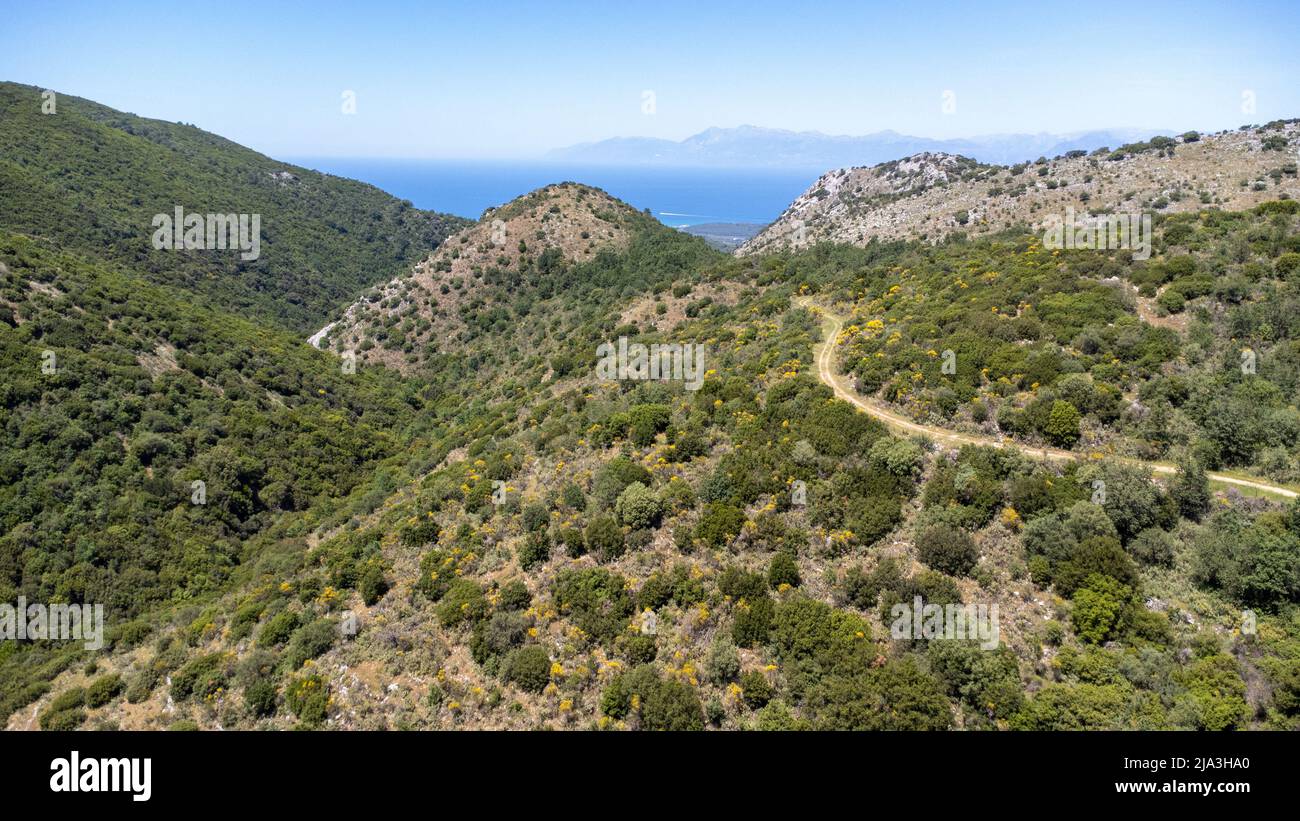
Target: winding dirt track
point(831, 326)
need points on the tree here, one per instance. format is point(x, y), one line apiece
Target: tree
point(1191, 490)
point(1062, 426)
point(1098, 605)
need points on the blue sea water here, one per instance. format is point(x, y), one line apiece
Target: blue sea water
point(676, 196)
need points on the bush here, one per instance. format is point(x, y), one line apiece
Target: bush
point(947, 549)
point(783, 570)
point(720, 524)
point(515, 595)
point(1098, 607)
point(260, 698)
point(752, 621)
point(595, 599)
point(638, 508)
point(308, 699)
point(103, 690)
point(62, 720)
point(309, 642)
point(1062, 426)
point(1153, 546)
point(372, 585)
point(278, 629)
point(605, 538)
point(723, 662)
point(535, 550)
point(529, 668)
point(756, 689)
point(664, 705)
point(202, 676)
point(464, 602)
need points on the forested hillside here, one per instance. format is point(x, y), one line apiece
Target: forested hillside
point(471, 528)
point(92, 179)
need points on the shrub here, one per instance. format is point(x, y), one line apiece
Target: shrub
point(756, 688)
point(720, 524)
point(638, 508)
point(515, 595)
point(783, 570)
point(260, 698)
point(463, 602)
point(103, 690)
point(309, 642)
point(605, 538)
point(1062, 426)
point(1153, 546)
point(529, 668)
point(596, 600)
point(202, 677)
point(664, 705)
point(723, 662)
point(947, 549)
point(308, 699)
point(278, 629)
point(535, 549)
point(1098, 606)
point(62, 720)
point(372, 585)
point(752, 621)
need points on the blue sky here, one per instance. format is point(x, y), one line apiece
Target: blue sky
point(507, 79)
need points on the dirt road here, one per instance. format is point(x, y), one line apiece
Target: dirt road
point(831, 326)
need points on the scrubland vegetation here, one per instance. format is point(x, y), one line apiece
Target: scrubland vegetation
point(496, 539)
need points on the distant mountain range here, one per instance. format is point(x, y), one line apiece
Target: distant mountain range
point(753, 147)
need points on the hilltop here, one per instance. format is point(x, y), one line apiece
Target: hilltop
point(930, 195)
point(528, 249)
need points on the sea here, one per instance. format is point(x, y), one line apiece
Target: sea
point(677, 196)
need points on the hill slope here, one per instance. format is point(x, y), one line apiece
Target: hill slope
point(932, 194)
point(563, 239)
point(93, 179)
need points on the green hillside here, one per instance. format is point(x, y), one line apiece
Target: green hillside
point(92, 178)
point(475, 530)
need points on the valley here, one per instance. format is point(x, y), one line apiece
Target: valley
point(443, 488)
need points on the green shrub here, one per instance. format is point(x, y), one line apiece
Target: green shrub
point(605, 538)
point(638, 508)
point(528, 667)
point(947, 549)
point(308, 698)
point(463, 602)
point(310, 641)
point(783, 570)
point(103, 690)
point(720, 524)
point(260, 698)
point(756, 689)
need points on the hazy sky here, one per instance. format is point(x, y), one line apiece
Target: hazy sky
point(486, 79)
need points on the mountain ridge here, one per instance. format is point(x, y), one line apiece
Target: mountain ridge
point(758, 146)
point(930, 195)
